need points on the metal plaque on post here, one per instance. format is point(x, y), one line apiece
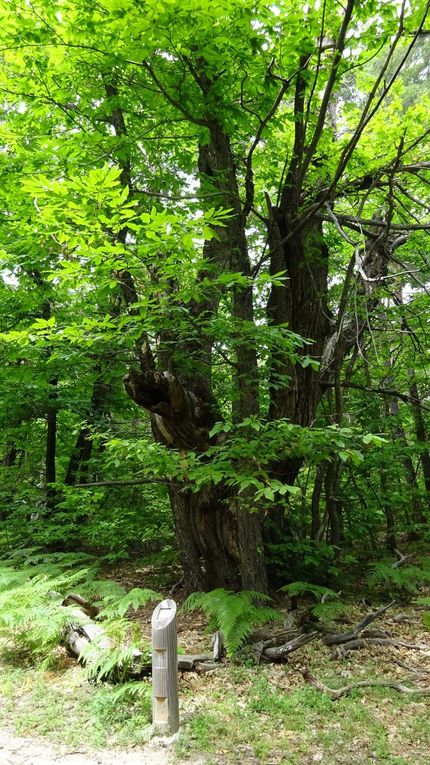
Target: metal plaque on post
point(165, 697)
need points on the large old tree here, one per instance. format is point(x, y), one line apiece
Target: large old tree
point(267, 162)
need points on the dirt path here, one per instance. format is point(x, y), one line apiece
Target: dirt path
point(16, 750)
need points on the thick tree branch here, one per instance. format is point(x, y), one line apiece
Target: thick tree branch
point(378, 391)
point(346, 220)
point(371, 108)
point(182, 418)
point(131, 482)
point(345, 637)
point(173, 101)
point(249, 183)
point(337, 57)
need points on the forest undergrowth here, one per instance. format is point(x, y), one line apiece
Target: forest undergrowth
point(239, 712)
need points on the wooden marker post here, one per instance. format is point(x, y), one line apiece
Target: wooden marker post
point(165, 697)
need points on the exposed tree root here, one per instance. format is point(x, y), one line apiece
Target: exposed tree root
point(337, 693)
point(341, 651)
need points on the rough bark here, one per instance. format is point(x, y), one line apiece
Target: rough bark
point(390, 539)
point(51, 445)
point(183, 419)
point(206, 532)
point(400, 436)
point(315, 502)
point(77, 469)
point(301, 303)
point(220, 540)
point(420, 432)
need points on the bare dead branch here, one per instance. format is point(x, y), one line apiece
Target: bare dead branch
point(280, 653)
point(401, 559)
point(337, 693)
point(344, 637)
point(379, 391)
point(337, 57)
point(376, 223)
point(131, 482)
point(341, 651)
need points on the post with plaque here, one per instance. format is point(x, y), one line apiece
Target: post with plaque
point(165, 697)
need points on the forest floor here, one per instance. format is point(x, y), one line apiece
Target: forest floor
point(234, 715)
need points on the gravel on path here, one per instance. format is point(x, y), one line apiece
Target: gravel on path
point(17, 750)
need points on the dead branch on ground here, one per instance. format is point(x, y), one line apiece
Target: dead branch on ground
point(337, 693)
point(345, 637)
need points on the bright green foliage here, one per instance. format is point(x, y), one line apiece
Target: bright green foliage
point(106, 111)
point(329, 605)
point(134, 599)
point(235, 614)
point(302, 588)
point(28, 613)
point(114, 661)
point(403, 579)
point(31, 614)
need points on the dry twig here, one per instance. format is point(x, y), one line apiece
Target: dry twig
point(337, 693)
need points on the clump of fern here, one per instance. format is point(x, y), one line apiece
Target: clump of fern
point(122, 651)
point(400, 579)
point(235, 614)
point(32, 618)
point(118, 658)
point(329, 604)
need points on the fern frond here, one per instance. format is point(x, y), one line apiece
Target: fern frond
point(327, 612)
point(35, 622)
point(136, 598)
point(406, 578)
point(102, 591)
point(131, 691)
point(300, 588)
point(112, 659)
point(235, 614)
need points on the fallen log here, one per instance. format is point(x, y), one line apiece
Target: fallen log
point(280, 653)
point(88, 608)
point(254, 652)
point(264, 651)
point(272, 635)
point(77, 637)
point(190, 662)
point(345, 637)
